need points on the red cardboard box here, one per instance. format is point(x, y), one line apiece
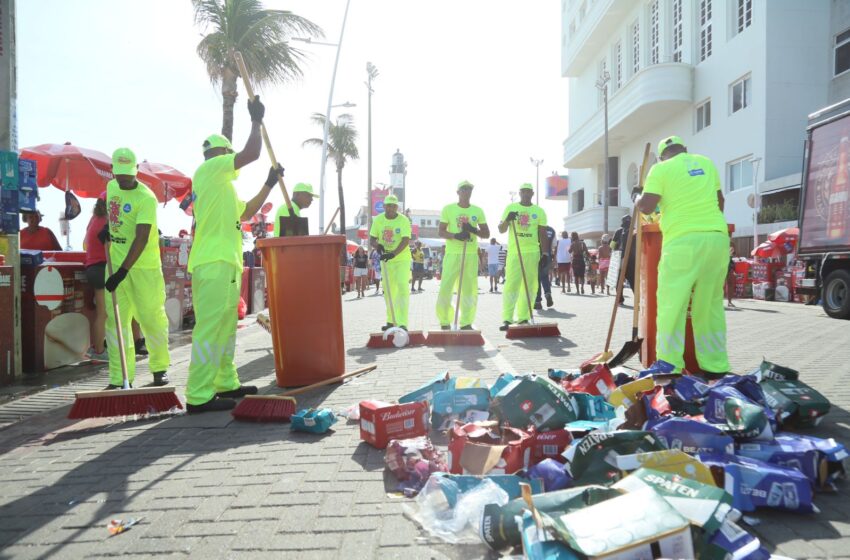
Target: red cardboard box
point(380, 421)
point(480, 448)
point(549, 445)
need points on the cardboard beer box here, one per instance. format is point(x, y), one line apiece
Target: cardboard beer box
point(794, 402)
point(481, 448)
point(592, 459)
point(501, 382)
point(788, 452)
point(769, 370)
point(426, 392)
point(549, 445)
point(598, 381)
point(464, 405)
point(581, 428)
point(693, 437)
point(626, 395)
point(672, 461)
point(639, 524)
point(593, 408)
point(380, 421)
point(532, 400)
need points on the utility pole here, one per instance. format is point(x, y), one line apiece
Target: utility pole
point(602, 85)
point(371, 74)
point(537, 163)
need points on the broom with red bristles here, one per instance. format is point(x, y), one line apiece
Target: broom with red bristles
point(280, 408)
point(125, 401)
point(457, 337)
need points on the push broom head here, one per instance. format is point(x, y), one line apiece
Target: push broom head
point(265, 408)
point(124, 402)
point(455, 338)
point(532, 331)
point(377, 340)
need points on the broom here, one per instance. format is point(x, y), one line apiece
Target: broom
point(394, 336)
point(280, 408)
point(457, 337)
point(533, 329)
point(125, 401)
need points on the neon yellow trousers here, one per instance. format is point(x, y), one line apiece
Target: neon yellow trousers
point(396, 275)
point(694, 264)
point(448, 286)
point(141, 296)
point(514, 292)
point(215, 297)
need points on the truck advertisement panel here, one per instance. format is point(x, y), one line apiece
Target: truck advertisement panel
point(826, 213)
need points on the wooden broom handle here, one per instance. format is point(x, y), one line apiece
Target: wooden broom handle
point(328, 228)
point(621, 279)
point(639, 247)
point(522, 270)
point(243, 70)
point(330, 381)
point(460, 283)
point(122, 352)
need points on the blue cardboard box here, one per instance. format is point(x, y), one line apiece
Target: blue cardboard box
point(27, 174)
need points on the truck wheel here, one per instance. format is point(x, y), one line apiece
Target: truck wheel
point(836, 294)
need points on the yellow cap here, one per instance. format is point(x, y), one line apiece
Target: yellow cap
point(304, 187)
point(669, 141)
point(123, 162)
point(463, 184)
point(390, 199)
point(526, 186)
point(217, 141)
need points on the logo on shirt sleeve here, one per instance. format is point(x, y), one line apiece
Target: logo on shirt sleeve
point(127, 208)
point(398, 230)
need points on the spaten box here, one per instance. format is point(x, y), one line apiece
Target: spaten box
point(380, 421)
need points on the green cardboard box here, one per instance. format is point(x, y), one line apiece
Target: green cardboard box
point(9, 170)
point(532, 400)
point(794, 402)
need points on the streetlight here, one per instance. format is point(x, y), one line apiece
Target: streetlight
point(756, 201)
point(371, 73)
point(602, 85)
point(327, 115)
point(537, 163)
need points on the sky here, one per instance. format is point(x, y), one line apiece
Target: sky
point(467, 91)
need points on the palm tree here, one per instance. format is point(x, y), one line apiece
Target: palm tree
point(260, 35)
point(342, 146)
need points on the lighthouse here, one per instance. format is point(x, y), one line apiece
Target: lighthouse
point(398, 173)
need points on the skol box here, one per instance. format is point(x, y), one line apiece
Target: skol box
point(380, 421)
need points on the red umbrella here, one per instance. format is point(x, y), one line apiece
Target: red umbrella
point(767, 250)
point(65, 166)
point(351, 246)
point(165, 181)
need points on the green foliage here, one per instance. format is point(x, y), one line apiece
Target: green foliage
point(783, 212)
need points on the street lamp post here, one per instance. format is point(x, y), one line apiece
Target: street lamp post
point(602, 85)
point(371, 74)
point(757, 162)
point(328, 118)
point(537, 163)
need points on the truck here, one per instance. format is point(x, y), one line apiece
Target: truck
point(824, 210)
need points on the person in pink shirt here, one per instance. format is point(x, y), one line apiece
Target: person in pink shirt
point(95, 269)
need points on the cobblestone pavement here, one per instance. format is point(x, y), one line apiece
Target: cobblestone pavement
point(208, 487)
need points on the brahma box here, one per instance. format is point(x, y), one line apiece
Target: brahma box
point(380, 421)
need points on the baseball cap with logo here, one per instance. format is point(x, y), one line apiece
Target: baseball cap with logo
point(390, 199)
point(217, 141)
point(305, 188)
point(669, 141)
point(465, 184)
point(123, 162)
point(526, 186)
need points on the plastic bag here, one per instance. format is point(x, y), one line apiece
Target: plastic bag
point(461, 523)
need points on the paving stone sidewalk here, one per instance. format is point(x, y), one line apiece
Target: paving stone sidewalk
point(208, 487)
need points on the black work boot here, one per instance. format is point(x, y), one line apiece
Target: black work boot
point(212, 405)
point(238, 393)
point(160, 378)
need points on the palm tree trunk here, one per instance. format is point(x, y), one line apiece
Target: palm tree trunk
point(228, 96)
point(341, 199)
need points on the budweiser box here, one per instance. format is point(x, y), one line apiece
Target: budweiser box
point(380, 421)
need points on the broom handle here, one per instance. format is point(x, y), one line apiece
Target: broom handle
point(522, 270)
point(243, 70)
point(114, 297)
point(460, 282)
point(388, 291)
point(621, 278)
point(637, 289)
point(328, 228)
point(328, 381)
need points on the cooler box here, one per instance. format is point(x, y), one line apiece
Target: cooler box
point(305, 307)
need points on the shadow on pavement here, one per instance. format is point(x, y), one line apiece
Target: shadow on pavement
point(554, 314)
point(556, 346)
point(470, 356)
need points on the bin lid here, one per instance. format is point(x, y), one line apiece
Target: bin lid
point(301, 241)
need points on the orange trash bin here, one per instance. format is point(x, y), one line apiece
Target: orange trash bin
point(305, 307)
point(650, 257)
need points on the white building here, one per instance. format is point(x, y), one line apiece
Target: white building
point(735, 79)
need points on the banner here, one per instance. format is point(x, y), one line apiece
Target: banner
point(378, 196)
point(557, 187)
point(826, 219)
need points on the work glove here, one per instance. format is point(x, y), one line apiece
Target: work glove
point(256, 109)
point(511, 216)
point(470, 228)
point(113, 281)
point(462, 236)
point(387, 256)
point(636, 192)
point(103, 235)
point(274, 173)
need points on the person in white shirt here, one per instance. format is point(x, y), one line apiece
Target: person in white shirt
point(493, 251)
point(564, 261)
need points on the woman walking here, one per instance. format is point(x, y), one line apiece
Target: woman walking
point(361, 271)
point(95, 270)
point(604, 255)
point(578, 250)
point(375, 257)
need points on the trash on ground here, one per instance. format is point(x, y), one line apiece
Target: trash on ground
point(312, 420)
point(380, 421)
point(118, 526)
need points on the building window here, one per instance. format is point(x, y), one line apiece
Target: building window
point(704, 29)
point(740, 174)
point(704, 115)
point(618, 68)
point(654, 34)
point(677, 31)
point(842, 52)
point(741, 95)
point(578, 201)
point(635, 47)
point(744, 15)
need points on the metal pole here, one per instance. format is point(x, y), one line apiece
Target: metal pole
point(757, 161)
point(537, 186)
point(371, 73)
point(607, 162)
point(328, 125)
